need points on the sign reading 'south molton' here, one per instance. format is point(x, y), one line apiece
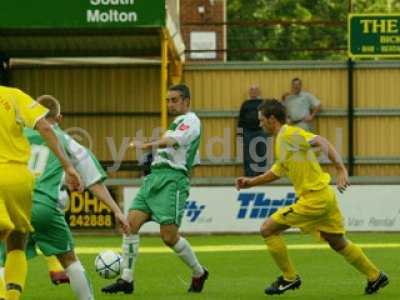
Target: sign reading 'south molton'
point(67, 14)
point(374, 35)
point(111, 14)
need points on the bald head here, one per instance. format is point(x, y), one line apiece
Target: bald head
point(254, 92)
point(53, 105)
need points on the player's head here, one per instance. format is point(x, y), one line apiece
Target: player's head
point(178, 99)
point(53, 105)
point(272, 115)
point(296, 85)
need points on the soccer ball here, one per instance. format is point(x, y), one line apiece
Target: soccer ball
point(108, 264)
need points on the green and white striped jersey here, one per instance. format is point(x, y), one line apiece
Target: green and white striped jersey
point(186, 130)
point(49, 171)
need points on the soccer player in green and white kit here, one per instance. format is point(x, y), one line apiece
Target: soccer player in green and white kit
point(164, 192)
point(52, 234)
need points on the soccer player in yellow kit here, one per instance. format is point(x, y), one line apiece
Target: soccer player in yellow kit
point(316, 209)
point(18, 110)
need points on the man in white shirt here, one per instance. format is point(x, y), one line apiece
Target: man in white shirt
point(162, 197)
point(301, 106)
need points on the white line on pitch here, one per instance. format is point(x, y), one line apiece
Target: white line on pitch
point(234, 248)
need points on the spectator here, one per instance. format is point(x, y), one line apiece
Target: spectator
point(301, 106)
point(254, 138)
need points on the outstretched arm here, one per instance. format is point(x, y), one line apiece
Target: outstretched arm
point(161, 143)
point(247, 182)
point(102, 193)
point(93, 175)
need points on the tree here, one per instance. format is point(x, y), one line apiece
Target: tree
point(284, 41)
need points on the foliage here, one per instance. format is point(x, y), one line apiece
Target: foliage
point(252, 41)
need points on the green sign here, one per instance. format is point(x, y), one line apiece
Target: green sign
point(374, 35)
point(71, 14)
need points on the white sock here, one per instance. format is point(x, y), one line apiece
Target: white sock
point(79, 281)
point(130, 251)
point(185, 252)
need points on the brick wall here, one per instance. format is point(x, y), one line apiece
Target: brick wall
point(189, 13)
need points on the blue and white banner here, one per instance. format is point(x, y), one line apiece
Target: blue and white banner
point(223, 209)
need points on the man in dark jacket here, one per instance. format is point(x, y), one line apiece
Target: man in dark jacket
point(254, 138)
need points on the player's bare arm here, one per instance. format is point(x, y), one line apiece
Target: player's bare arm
point(72, 177)
point(101, 192)
point(247, 182)
point(342, 177)
point(161, 143)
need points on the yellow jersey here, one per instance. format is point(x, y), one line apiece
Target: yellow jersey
point(296, 160)
point(17, 110)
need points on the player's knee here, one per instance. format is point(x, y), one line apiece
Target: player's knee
point(337, 246)
point(4, 234)
point(16, 241)
point(133, 227)
point(66, 259)
point(134, 224)
point(265, 231)
point(336, 242)
point(169, 239)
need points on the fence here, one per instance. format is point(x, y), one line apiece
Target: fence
point(114, 104)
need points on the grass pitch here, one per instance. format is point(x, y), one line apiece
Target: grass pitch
point(240, 268)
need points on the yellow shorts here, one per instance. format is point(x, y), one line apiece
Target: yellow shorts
point(315, 211)
point(16, 188)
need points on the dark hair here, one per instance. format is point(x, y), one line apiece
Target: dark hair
point(273, 107)
point(183, 89)
point(52, 104)
point(296, 79)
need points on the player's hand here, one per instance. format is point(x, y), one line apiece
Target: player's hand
point(135, 144)
point(342, 179)
point(138, 145)
point(242, 183)
point(124, 222)
point(73, 180)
